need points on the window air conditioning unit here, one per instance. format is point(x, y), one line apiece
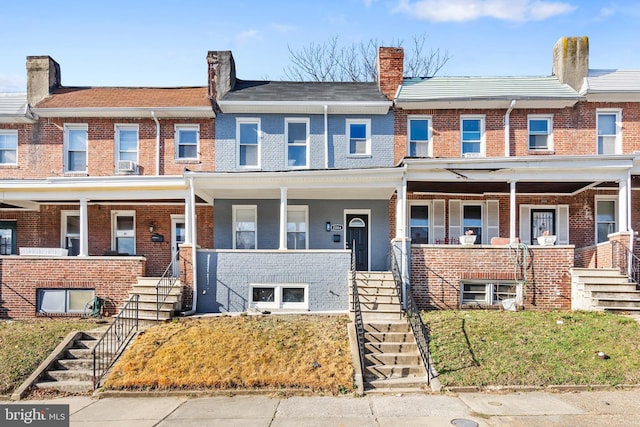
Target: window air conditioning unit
point(472, 155)
point(126, 166)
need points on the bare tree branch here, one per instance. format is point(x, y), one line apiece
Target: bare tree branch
point(357, 62)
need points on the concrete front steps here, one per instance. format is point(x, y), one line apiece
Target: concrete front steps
point(605, 289)
point(72, 372)
point(147, 303)
point(392, 362)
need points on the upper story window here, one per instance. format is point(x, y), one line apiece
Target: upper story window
point(187, 142)
point(248, 142)
point(123, 232)
point(297, 136)
point(609, 129)
point(419, 134)
point(245, 226)
point(540, 133)
point(75, 147)
point(297, 220)
point(359, 136)
point(472, 136)
point(126, 148)
point(8, 147)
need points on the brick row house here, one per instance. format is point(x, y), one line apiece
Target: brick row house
point(265, 186)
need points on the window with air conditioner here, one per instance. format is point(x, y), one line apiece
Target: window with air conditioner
point(126, 148)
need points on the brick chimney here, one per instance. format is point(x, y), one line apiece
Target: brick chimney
point(43, 77)
point(390, 69)
point(571, 60)
point(222, 73)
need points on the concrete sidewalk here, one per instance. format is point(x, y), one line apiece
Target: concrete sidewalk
point(596, 408)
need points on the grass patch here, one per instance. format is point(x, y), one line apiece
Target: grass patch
point(24, 344)
point(483, 348)
point(303, 352)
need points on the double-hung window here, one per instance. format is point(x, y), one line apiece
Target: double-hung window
point(472, 136)
point(126, 148)
point(248, 142)
point(540, 133)
point(187, 139)
point(75, 147)
point(245, 226)
point(419, 136)
point(359, 136)
point(419, 224)
point(609, 129)
point(124, 232)
point(8, 147)
point(606, 214)
point(71, 231)
point(297, 135)
point(297, 220)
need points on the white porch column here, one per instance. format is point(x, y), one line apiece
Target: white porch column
point(512, 212)
point(188, 216)
point(401, 209)
point(624, 188)
point(283, 218)
point(84, 229)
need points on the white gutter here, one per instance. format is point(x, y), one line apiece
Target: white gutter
point(326, 137)
point(153, 115)
point(194, 252)
point(507, 151)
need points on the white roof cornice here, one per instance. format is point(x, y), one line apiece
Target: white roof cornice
point(134, 112)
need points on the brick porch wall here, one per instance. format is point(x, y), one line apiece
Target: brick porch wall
point(437, 270)
point(20, 277)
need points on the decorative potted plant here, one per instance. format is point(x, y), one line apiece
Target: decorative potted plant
point(547, 239)
point(468, 238)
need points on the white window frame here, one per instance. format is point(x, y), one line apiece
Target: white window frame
point(306, 144)
point(549, 119)
point(482, 141)
point(68, 127)
point(278, 303)
point(602, 198)
point(428, 204)
point(234, 210)
point(13, 133)
point(367, 123)
point(118, 152)
point(178, 128)
point(64, 233)
point(561, 223)
point(116, 234)
point(489, 292)
point(305, 210)
point(428, 142)
point(618, 136)
point(248, 120)
point(65, 293)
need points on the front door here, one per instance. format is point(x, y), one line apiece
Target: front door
point(358, 235)
point(177, 237)
point(8, 238)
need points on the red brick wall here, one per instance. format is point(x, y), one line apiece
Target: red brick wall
point(390, 69)
point(111, 277)
point(437, 270)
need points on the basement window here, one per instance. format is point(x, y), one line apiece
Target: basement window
point(63, 300)
point(285, 297)
point(488, 293)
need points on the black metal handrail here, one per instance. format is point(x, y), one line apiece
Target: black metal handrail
point(357, 312)
point(626, 261)
point(115, 339)
point(412, 314)
point(165, 284)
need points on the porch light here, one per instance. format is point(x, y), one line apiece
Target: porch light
point(152, 227)
point(328, 226)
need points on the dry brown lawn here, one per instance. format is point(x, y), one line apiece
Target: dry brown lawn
point(307, 352)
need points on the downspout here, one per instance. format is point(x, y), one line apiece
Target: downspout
point(507, 151)
point(326, 137)
point(153, 115)
point(194, 252)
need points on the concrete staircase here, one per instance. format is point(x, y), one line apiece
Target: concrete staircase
point(604, 289)
point(72, 372)
point(146, 288)
point(392, 361)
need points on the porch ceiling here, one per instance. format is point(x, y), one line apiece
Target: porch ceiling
point(482, 187)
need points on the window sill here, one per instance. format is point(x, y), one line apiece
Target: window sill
point(73, 173)
point(541, 152)
point(187, 161)
point(9, 166)
point(359, 156)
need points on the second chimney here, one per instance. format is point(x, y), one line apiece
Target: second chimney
point(571, 60)
point(222, 73)
point(390, 70)
point(43, 77)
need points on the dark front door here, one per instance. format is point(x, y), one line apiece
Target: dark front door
point(358, 235)
point(8, 238)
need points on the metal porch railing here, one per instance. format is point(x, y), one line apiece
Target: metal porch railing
point(115, 339)
point(626, 261)
point(357, 312)
point(165, 284)
point(412, 314)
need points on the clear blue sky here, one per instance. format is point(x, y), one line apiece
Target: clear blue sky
point(165, 43)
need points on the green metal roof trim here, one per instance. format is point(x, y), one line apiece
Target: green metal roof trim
point(466, 88)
